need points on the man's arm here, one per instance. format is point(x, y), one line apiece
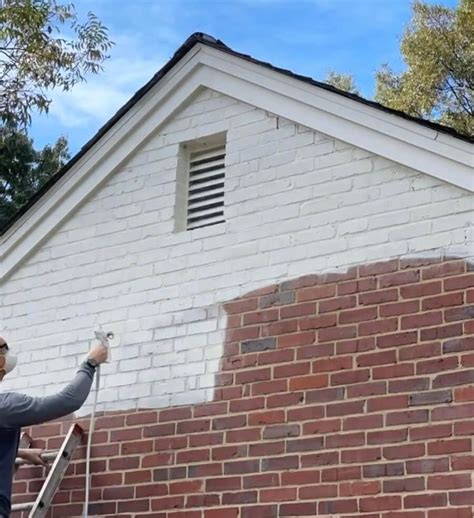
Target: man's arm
point(18, 410)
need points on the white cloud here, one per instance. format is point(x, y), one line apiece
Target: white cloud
point(91, 103)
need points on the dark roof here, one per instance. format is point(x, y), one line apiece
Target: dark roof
point(205, 39)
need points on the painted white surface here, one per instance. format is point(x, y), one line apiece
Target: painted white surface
point(297, 202)
point(406, 142)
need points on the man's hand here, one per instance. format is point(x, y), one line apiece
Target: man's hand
point(98, 353)
point(33, 456)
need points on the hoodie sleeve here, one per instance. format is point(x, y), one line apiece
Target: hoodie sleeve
point(18, 410)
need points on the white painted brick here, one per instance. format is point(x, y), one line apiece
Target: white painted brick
point(296, 202)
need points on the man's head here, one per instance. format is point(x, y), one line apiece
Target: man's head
point(7, 359)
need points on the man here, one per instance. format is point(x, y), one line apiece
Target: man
point(18, 410)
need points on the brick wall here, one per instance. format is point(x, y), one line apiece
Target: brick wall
point(296, 202)
point(337, 395)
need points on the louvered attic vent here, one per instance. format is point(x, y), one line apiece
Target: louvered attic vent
point(206, 188)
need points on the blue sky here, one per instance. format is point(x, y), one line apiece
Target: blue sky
point(309, 37)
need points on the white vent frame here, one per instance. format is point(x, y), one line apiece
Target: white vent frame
point(205, 191)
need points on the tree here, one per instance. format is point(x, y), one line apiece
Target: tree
point(343, 82)
point(23, 170)
point(438, 83)
point(43, 46)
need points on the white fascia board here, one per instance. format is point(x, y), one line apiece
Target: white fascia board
point(403, 141)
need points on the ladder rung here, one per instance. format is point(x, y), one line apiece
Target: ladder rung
point(22, 507)
point(49, 455)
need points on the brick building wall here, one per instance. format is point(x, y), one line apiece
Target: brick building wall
point(296, 202)
point(337, 395)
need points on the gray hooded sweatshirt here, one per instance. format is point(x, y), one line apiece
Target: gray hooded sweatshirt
point(18, 410)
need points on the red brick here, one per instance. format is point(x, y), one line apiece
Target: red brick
point(378, 297)
point(317, 491)
point(387, 403)
point(456, 481)
point(347, 408)
point(387, 436)
point(297, 310)
point(292, 370)
point(459, 283)
point(262, 511)
point(437, 365)
point(224, 512)
point(408, 385)
point(305, 412)
point(358, 315)
point(337, 333)
point(320, 459)
point(241, 306)
point(399, 278)
point(427, 500)
point(464, 394)
point(407, 417)
point(250, 376)
point(309, 382)
point(337, 506)
point(268, 417)
point(393, 371)
point(315, 351)
point(378, 358)
point(296, 339)
point(443, 301)
point(396, 339)
point(444, 270)
point(269, 387)
point(459, 345)
point(404, 485)
point(300, 509)
point(226, 423)
point(258, 317)
point(453, 379)
point(421, 290)
point(431, 318)
point(381, 503)
point(317, 322)
point(345, 440)
point(428, 350)
point(431, 431)
point(279, 328)
point(463, 463)
point(282, 494)
point(449, 446)
point(408, 451)
point(350, 377)
point(367, 389)
point(316, 293)
point(364, 422)
point(380, 326)
point(455, 512)
point(322, 426)
point(272, 357)
point(360, 488)
point(263, 480)
point(427, 465)
point(347, 288)
point(400, 308)
point(332, 364)
point(266, 448)
point(280, 400)
point(361, 455)
point(300, 478)
point(337, 303)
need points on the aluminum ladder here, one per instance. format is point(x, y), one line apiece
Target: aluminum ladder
point(61, 460)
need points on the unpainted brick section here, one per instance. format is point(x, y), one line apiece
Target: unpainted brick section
point(349, 413)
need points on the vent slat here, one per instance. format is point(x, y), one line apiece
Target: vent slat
point(206, 188)
point(206, 201)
